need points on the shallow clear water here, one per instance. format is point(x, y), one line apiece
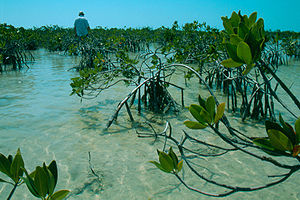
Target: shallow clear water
point(38, 116)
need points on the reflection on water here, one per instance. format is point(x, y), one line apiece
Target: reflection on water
point(39, 116)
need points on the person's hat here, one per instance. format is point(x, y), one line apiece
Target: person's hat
point(81, 13)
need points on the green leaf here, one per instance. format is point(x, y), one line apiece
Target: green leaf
point(288, 130)
point(297, 129)
point(229, 63)
point(53, 169)
point(4, 165)
point(234, 19)
point(158, 166)
point(279, 141)
point(210, 106)
point(201, 101)
point(232, 52)
point(50, 180)
point(206, 116)
point(166, 161)
point(244, 53)
point(30, 184)
point(220, 112)
point(243, 30)
point(272, 125)
point(266, 145)
point(41, 182)
point(16, 166)
point(174, 157)
point(59, 195)
point(227, 25)
point(195, 111)
point(252, 18)
point(179, 166)
point(10, 159)
point(235, 39)
point(194, 125)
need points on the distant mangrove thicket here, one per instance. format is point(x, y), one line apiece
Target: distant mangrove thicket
point(239, 61)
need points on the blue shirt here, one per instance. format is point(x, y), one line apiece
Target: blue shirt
point(81, 24)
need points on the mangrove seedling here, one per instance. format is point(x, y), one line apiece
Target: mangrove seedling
point(41, 182)
point(12, 167)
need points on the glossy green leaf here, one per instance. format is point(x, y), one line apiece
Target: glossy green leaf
point(16, 166)
point(4, 165)
point(272, 125)
point(288, 130)
point(264, 142)
point(201, 101)
point(232, 52)
point(234, 19)
point(159, 166)
point(252, 18)
point(210, 106)
point(244, 53)
point(229, 63)
point(10, 159)
point(40, 181)
point(194, 125)
point(59, 195)
point(279, 140)
point(243, 30)
point(166, 161)
point(50, 180)
point(297, 129)
point(53, 169)
point(267, 146)
point(30, 184)
point(195, 111)
point(245, 20)
point(227, 25)
point(235, 39)
point(220, 112)
point(174, 157)
point(206, 116)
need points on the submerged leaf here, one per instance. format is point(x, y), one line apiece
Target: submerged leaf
point(220, 112)
point(279, 140)
point(166, 161)
point(195, 111)
point(297, 129)
point(288, 130)
point(174, 157)
point(59, 195)
point(194, 125)
point(210, 106)
point(158, 166)
point(267, 146)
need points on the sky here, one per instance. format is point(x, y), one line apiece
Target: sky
point(278, 15)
